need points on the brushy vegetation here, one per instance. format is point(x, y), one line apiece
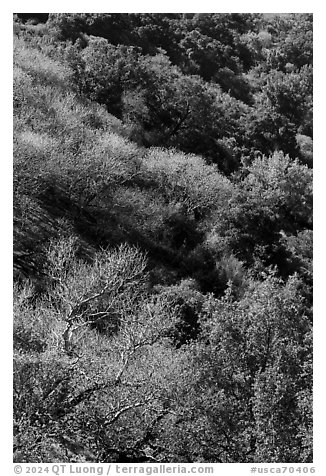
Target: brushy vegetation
point(163, 238)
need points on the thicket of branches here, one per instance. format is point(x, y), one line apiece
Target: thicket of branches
point(163, 238)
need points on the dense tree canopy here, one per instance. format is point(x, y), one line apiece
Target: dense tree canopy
point(163, 237)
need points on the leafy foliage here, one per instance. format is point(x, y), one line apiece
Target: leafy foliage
point(163, 238)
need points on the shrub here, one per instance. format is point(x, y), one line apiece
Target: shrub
point(187, 180)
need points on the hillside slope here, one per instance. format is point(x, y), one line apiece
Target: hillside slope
point(162, 298)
